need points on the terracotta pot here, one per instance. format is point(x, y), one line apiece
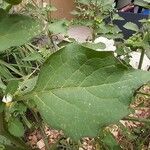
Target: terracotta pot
point(64, 7)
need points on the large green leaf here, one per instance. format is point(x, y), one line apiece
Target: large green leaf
point(80, 90)
point(16, 29)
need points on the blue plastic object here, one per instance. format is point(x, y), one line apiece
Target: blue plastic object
point(146, 12)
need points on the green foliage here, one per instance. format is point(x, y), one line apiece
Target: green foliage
point(141, 39)
point(80, 90)
point(109, 142)
point(131, 26)
point(143, 3)
point(13, 2)
point(5, 141)
point(15, 127)
point(59, 27)
point(16, 30)
point(99, 2)
point(94, 46)
point(12, 87)
point(35, 56)
point(98, 15)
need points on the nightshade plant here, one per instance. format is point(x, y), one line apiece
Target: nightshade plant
point(78, 89)
point(99, 16)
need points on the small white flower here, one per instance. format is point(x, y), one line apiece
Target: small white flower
point(110, 44)
point(44, 4)
point(135, 58)
point(7, 99)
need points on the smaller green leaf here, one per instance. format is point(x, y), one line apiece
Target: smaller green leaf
point(16, 30)
point(110, 142)
point(143, 20)
point(17, 108)
point(143, 3)
point(33, 56)
point(117, 17)
point(59, 27)
point(131, 26)
point(13, 2)
point(94, 46)
point(2, 85)
point(5, 73)
point(12, 87)
point(10, 67)
point(4, 141)
point(16, 128)
point(28, 85)
point(148, 1)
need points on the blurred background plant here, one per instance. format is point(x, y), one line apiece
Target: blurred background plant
point(98, 15)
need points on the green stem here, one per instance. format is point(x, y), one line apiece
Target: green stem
point(141, 59)
point(49, 13)
point(26, 121)
point(94, 23)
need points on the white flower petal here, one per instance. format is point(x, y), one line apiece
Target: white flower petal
point(110, 48)
point(112, 42)
point(44, 4)
point(4, 100)
point(7, 99)
point(101, 39)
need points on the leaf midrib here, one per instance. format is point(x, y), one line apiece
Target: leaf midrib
point(72, 87)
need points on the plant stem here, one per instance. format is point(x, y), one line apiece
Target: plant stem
point(141, 59)
point(41, 129)
point(94, 23)
point(49, 13)
point(26, 121)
